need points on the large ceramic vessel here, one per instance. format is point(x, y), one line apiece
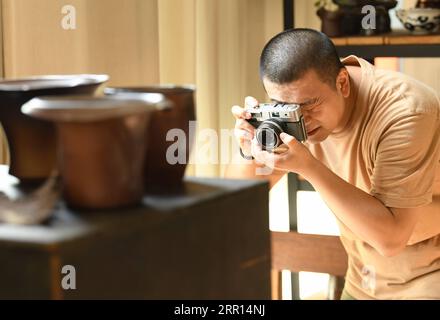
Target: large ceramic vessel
point(161, 174)
point(101, 145)
point(32, 141)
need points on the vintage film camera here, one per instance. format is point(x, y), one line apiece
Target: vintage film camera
point(271, 119)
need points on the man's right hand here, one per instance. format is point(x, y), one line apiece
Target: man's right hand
point(244, 132)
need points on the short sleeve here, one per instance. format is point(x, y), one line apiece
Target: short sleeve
point(407, 156)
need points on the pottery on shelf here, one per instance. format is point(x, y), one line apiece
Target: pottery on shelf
point(351, 16)
point(419, 20)
point(330, 22)
point(428, 4)
point(32, 141)
point(388, 4)
point(161, 176)
point(101, 145)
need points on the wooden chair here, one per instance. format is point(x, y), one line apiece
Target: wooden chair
point(297, 252)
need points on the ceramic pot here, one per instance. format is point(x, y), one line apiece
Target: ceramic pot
point(351, 10)
point(101, 144)
point(162, 175)
point(428, 4)
point(330, 22)
point(418, 20)
point(387, 4)
point(32, 141)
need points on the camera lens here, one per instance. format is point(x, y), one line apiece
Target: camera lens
point(268, 137)
point(268, 134)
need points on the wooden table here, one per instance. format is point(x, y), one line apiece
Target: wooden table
point(212, 242)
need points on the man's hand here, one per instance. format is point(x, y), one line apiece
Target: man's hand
point(243, 131)
point(296, 158)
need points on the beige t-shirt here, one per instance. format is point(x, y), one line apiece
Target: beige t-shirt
point(391, 150)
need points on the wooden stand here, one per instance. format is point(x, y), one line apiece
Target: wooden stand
point(396, 44)
point(212, 242)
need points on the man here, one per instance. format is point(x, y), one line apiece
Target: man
point(372, 153)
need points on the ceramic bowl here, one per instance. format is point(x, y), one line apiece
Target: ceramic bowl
point(419, 20)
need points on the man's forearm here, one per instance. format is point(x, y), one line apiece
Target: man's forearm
point(247, 169)
point(362, 213)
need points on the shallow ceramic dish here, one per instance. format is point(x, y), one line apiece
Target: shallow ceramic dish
point(32, 141)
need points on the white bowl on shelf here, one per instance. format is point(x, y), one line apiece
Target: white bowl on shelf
point(419, 20)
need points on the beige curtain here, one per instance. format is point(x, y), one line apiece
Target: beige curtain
point(216, 45)
point(118, 37)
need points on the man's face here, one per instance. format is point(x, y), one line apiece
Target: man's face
point(322, 106)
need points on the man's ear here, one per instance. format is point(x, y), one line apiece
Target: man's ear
point(343, 82)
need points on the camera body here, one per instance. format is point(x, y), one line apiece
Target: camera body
point(272, 119)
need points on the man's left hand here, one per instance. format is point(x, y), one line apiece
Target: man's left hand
point(296, 158)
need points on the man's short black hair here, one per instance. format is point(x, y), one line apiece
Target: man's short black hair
point(290, 54)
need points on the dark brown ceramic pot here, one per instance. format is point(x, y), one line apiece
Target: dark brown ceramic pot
point(101, 145)
point(161, 174)
point(330, 22)
point(32, 141)
point(428, 4)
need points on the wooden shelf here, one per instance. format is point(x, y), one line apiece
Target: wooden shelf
point(358, 40)
point(396, 44)
point(394, 38)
